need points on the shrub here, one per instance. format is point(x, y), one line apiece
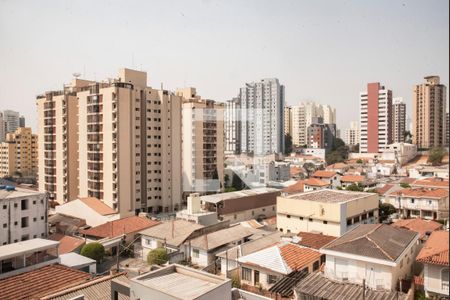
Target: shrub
point(405, 185)
point(157, 257)
point(94, 250)
point(436, 155)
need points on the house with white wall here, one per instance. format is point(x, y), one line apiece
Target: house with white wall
point(435, 258)
point(331, 177)
point(379, 254)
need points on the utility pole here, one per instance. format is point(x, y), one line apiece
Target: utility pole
point(364, 290)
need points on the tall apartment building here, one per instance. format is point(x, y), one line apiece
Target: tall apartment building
point(21, 121)
point(232, 126)
point(118, 141)
point(303, 116)
point(351, 135)
point(262, 116)
point(447, 130)
point(202, 143)
point(375, 118)
point(399, 120)
point(429, 111)
point(11, 121)
point(288, 120)
point(320, 135)
point(2, 128)
point(18, 153)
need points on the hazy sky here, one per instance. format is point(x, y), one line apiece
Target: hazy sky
point(325, 51)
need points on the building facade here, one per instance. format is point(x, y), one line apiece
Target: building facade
point(232, 126)
point(320, 135)
point(262, 117)
point(375, 118)
point(23, 214)
point(202, 143)
point(399, 120)
point(288, 120)
point(429, 113)
point(18, 153)
point(351, 135)
point(11, 121)
point(108, 140)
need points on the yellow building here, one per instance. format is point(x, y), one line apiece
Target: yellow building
point(330, 212)
point(18, 154)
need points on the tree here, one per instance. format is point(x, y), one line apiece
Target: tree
point(386, 209)
point(94, 251)
point(287, 144)
point(359, 161)
point(355, 187)
point(435, 155)
point(309, 168)
point(408, 136)
point(405, 185)
point(229, 189)
point(339, 152)
point(157, 256)
point(355, 148)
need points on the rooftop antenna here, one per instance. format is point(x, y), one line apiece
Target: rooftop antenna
point(76, 75)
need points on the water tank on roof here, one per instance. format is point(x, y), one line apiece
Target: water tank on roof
point(10, 188)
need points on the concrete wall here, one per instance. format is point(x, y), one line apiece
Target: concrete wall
point(78, 209)
point(433, 279)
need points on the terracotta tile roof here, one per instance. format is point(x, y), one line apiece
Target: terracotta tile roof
point(118, 227)
point(296, 170)
point(314, 240)
point(352, 178)
point(66, 243)
point(271, 221)
point(98, 206)
point(297, 187)
point(297, 257)
point(337, 166)
point(407, 180)
point(423, 193)
point(431, 182)
point(315, 182)
point(379, 241)
point(418, 225)
point(384, 189)
point(40, 282)
point(435, 251)
point(325, 174)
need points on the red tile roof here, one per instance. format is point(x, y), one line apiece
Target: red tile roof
point(297, 257)
point(297, 187)
point(431, 182)
point(314, 240)
point(98, 206)
point(40, 282)
point(435, 251)
point(118, 227)
point(315, 182)
point(295, 170)
point(384, 189)
point(337, 166)
point(423, 193)
point(352, 178)
point(418, 225)
point(325, 174)
point(66, 243)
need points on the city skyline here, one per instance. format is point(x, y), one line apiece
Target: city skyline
point(276, 42)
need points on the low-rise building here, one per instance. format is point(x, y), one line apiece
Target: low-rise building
point(348, 180)
point(435, 258)
point(401, 153)
point(242, 205)
point(94, 211)
point(178, 282)
point(432, 182)
point(377, 253)
point(331, 212)
point(204, 248)
point(23, 214)
point(332, 177)
point(430, 204)
point(265, 267)
point(314, 184)
point(423, 227)
point(339, 167)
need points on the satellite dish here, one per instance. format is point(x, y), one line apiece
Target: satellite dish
point(76, 75)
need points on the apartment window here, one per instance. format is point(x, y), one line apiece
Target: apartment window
point(288, 216)
point(5, 225)
point(5, 206)
point(412, 200)
point(325, 222)
point(195, 253)
point(24, 222)
point(246, 274)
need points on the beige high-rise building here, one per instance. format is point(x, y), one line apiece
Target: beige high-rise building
point(203, 143)
point(18, 153)
point(429, 112)
point(288, 120)
point(118, 141)
point(351, 135)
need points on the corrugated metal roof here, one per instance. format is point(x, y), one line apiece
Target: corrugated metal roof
point(238, 194)
point(269, 258)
